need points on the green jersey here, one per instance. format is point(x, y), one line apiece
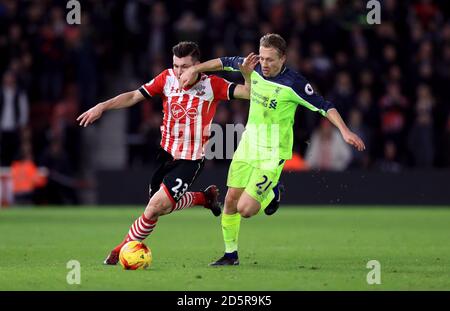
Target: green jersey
point(273, 102)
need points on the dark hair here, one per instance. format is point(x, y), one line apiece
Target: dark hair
point(273, 40)
point(187, 48)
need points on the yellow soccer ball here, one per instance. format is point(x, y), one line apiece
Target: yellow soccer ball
point(135, 255)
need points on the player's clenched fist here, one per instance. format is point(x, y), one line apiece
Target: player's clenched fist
point(188, 77)
point(91, 115)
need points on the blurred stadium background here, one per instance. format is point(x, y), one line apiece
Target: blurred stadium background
point(389, 81)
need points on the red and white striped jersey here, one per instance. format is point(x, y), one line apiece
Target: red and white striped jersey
point(188, 112)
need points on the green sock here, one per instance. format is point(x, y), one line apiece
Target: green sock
point(266, 201)
point(230, 230)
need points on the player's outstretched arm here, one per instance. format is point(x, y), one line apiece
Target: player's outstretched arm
point(123, 100)
point(349, 137)
point(189, 76)
point(304, 94)
point(246, 68)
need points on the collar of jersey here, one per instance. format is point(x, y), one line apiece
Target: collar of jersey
point(199, 77)
point(273, 79)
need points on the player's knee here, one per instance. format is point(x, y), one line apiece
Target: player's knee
point(246, 211)
point(232, 196)
point(231, 200)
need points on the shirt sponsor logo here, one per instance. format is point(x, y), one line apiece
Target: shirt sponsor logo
point(178, 112)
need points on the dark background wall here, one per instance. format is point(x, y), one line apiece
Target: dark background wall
point(423, 187)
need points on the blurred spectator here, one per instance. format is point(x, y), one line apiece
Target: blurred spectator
point(26, 177)
point(82, 62)
point(327, 150)
point(369, 111)
point(342, 95)
point(341, 62)
point(427, 13)
point(361, 60)
point(393, 107)
point(63, 124)
point(356, 125)
point(421, 138)
point(51, 58)
point(13, 118)
point(141, 131)
point(389, 57)
point(216, 23)
point(389, 163)
point(446, 143)
point(297, 163)
point(244, 30)
point(188, 27)
point(158, 32)
point(321, 64)
point(240, 112)
point(443, 70)
point(62, 184)
point(378, 70)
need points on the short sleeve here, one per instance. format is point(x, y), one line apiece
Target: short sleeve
point(221, 88)
point(231, 63)
point(155, 86)
point(307, 97)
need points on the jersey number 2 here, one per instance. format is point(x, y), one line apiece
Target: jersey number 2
point(176, 189)
point(261, 184)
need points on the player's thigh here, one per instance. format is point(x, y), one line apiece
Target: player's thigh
point(163, 160)
point(180, 178)
point(263, 180)
point(239, 174)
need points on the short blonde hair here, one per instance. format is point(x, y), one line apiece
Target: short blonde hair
point(273, 40)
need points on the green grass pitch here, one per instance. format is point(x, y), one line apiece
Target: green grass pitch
point(307, 248)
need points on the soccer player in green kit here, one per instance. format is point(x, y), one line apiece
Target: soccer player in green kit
point(266, 143)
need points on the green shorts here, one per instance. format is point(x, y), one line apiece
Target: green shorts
point(257, 177)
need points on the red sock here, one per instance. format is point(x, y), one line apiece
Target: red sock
point(141, 228)
point(190, 199)
point(199, 198)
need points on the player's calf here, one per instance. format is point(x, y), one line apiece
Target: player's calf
point(207, 198)
point(160, 204)
point(142, 227)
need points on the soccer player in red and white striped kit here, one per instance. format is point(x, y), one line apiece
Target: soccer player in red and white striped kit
point(188, 113)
